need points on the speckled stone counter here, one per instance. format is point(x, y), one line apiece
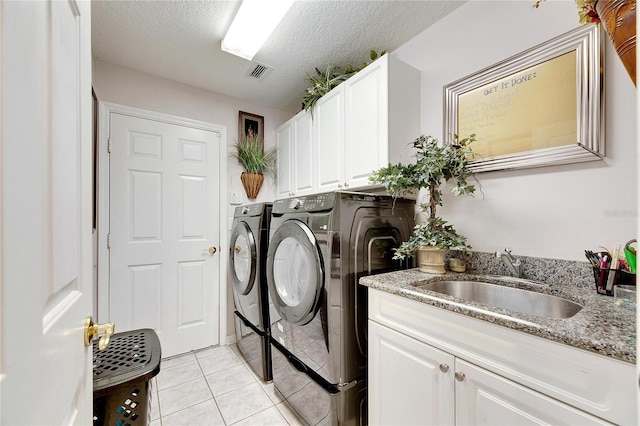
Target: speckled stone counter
point(601, 326)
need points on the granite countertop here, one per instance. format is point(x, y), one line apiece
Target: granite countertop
point(601, 326)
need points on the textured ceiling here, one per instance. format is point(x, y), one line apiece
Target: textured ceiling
point(180, 41)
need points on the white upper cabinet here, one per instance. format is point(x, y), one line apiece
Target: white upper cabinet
point(360, 126)
point(303, 157)
point(328, 119)
point(294, 140)
point(366, 107)
point(284, 162)
point(370, 119)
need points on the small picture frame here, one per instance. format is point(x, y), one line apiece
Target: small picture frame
point(250, 125)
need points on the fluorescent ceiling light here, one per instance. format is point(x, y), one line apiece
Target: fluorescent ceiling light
point(252, 26)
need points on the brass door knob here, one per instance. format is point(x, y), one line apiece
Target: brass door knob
point(104, 331)
point(211, 250)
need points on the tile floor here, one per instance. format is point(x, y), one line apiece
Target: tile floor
point(214, 386)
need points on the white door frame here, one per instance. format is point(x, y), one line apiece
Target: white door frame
point(104, 111)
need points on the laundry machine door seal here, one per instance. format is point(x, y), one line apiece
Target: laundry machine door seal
point(295, 272)
point(243, 258)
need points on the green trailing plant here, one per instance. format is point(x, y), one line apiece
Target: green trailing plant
point(253, 157)
point(435, 166)
point(324, 81)
point(321, 84)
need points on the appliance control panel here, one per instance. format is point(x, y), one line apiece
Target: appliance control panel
point(249, 210)
point(308, 203)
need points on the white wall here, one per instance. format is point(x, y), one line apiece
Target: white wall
point(124, 86)
point(555, 211)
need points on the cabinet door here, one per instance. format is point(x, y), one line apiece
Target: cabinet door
point(410, 383)
point(366, 122)
point(484, 398)
point(303, 158)
point(328, 119)
point(284, 175)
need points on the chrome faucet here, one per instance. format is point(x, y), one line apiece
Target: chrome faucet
point(511, 262)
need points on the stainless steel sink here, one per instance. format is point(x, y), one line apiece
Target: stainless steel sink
point(510, 298)
point(508, 279)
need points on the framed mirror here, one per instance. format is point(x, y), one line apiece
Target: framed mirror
point(541, 107)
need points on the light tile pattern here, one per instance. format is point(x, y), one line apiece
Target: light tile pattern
point(215, 386)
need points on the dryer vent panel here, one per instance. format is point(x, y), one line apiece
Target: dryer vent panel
point(258, 71)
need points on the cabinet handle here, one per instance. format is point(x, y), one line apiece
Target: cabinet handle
point(339, 185)
point(444, 368)
point(459, 376)
point(346, 185)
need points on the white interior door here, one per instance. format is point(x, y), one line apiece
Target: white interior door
point(163, 220)
point(45, 211)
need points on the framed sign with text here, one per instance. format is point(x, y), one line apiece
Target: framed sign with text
point(541, 107)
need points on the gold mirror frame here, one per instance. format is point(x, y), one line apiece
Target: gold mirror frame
point(585, 41)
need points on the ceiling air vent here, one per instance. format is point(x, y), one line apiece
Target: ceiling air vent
point(258, 71)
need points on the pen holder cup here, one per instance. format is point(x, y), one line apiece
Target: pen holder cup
point(620, 277)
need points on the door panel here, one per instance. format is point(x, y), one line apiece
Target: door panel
point(484, 398)
point(144, 293)
point(45, 211)
point(191, 216)
point(163, 219)
point(284, 177)
point(366, 122)
point(192, 293)
point(146, 212)
point(410, 383)
point(330, 140)
point(303, 165)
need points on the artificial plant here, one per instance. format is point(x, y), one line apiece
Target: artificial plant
point(253, 157)
point(324, 81)
point(436, 164)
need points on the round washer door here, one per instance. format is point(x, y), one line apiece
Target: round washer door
point(242, 258)
point(295, 272)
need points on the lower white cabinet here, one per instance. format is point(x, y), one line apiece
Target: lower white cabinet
point(482, 397)
point(412, 382)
